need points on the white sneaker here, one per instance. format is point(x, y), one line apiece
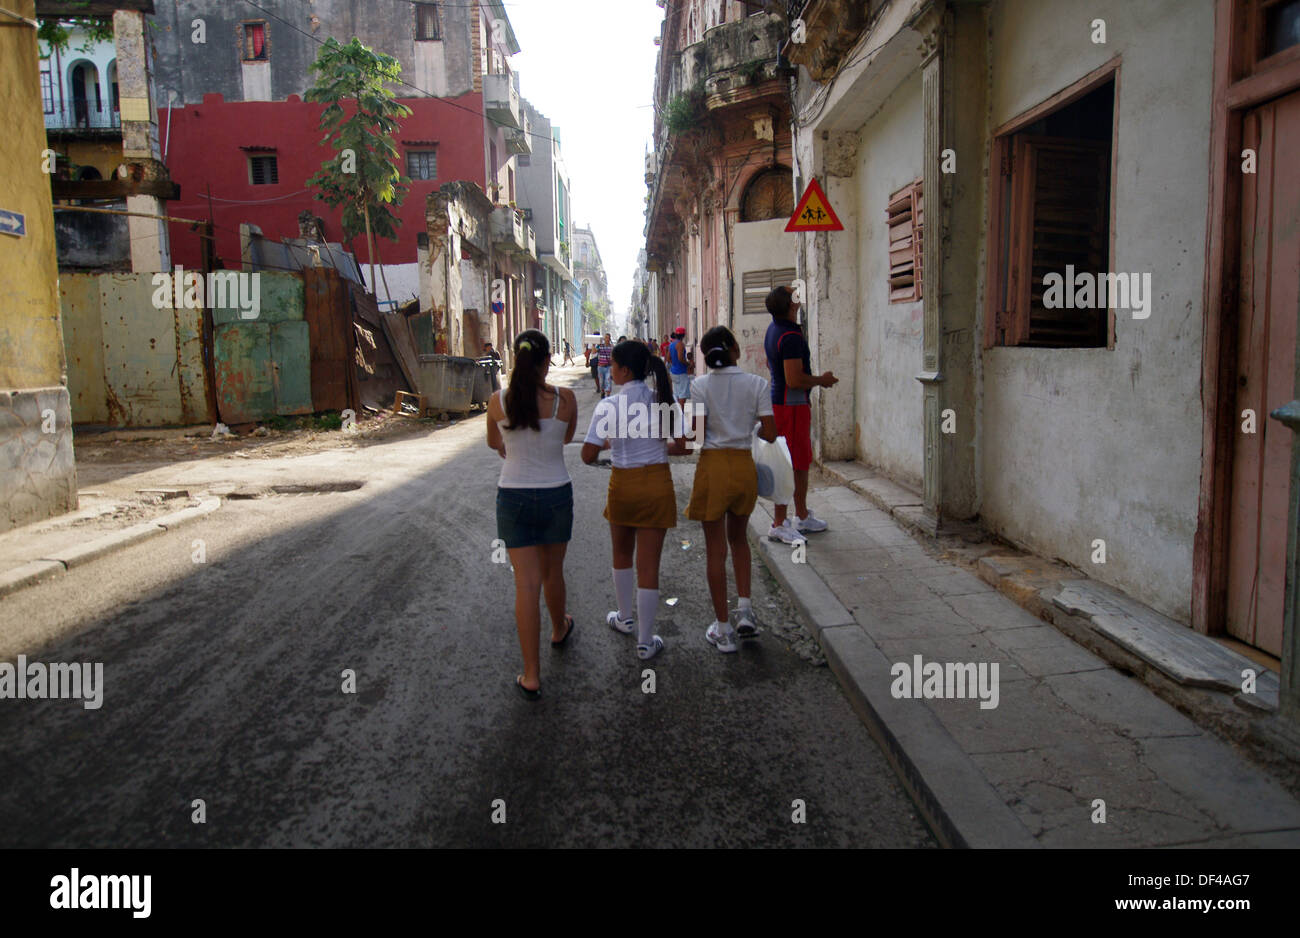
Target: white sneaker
point(646, 652)
point(746, 627)
point(723, 639)
point(810, 525)
point(786, 533)
point(626, 626)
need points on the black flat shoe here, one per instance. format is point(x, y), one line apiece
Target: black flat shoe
point(528, 694)
point(569, 619)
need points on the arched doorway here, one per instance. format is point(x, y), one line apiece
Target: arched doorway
point(87, 100)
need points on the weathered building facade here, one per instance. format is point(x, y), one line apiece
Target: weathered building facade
point(231, 80)
point(1061, 302)
point(720, 178)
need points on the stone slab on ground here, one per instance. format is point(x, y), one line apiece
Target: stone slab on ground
point(1186, 656)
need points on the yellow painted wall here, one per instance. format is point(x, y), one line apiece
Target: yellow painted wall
point(31, 339)
point(105, 157)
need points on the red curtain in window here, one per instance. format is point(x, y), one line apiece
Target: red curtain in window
point(258, 35)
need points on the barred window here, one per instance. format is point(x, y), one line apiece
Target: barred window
point(428, 26)
point(263, 170)
point(422, 164)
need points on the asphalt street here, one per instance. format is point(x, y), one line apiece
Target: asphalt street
point(224, 683)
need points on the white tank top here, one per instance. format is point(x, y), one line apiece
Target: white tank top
point(534, 458)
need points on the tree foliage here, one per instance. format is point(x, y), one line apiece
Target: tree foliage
point(360, 117)
point(57, 32)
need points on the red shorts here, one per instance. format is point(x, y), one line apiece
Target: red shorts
point(794, 422)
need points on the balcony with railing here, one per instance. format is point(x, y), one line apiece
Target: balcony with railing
point(520, 140)
point(83, 117)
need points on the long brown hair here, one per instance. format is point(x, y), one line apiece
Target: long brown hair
point(532, 356)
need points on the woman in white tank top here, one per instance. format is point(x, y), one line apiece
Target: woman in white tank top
point(528, 424)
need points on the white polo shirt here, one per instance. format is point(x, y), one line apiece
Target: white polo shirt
point(627, 419)
point(733, 400)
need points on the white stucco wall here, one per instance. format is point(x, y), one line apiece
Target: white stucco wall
point(757, 245)
point(888, 409)
point(1080, 444)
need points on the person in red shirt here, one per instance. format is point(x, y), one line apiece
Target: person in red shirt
point(663, 347)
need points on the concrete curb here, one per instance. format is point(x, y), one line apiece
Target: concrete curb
point(957, 802)
point(59, 562)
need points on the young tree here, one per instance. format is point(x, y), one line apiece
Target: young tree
point(360, 117)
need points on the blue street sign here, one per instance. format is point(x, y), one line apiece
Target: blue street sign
point(12, 223)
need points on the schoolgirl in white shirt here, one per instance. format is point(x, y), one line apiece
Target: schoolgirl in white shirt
point(637, 425)
point(725, 404)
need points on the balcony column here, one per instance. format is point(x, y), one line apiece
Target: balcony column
point(150, 249)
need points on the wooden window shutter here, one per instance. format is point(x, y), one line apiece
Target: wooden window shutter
point(1059, 217)
point(905, 218)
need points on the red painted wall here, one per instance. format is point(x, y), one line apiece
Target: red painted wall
point(205, 150)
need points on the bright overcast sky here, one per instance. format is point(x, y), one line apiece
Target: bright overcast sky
point(589, 66)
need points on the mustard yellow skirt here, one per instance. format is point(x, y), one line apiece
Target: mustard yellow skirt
point(725, 481)
point(642, 497)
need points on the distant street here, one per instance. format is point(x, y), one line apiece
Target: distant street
point(223, 683)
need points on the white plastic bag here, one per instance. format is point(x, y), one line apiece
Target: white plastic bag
point(776, 458)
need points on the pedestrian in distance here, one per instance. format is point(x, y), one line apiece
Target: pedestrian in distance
point(641, 427)
point(788, 360)
point(725, 405)
point(605, 358)
point(593, 364)
point(528, 424)
point(679, 366)
point(568, 353)
point(663, 347)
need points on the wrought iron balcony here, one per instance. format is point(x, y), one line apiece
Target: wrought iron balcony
point(83, 117)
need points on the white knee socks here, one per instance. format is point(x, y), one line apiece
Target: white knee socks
point(647, 605)
point(625, 590)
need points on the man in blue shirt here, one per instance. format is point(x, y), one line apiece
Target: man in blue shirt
point(788, 360)
point(679, 367)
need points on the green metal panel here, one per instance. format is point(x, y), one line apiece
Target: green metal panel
point(245, 387)
point(139, 342)
point(191, 371)
point(291, 357)
point(279, 299)
point(83, 343)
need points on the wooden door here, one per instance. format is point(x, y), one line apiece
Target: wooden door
point(1269, 304)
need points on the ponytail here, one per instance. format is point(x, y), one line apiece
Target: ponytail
point(532, 356)
point(717, 345)
point(663, 387)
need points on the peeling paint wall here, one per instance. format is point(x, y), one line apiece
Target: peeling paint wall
point(1081, 444)
point(888, 408)
point(759, 245)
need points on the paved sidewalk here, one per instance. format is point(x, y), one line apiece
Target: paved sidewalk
point(1068, 730)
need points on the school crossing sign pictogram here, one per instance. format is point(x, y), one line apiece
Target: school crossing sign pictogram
point(814, 212)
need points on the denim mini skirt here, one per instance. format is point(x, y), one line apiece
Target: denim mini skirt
point(528, 517)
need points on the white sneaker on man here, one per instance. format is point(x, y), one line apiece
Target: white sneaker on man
point(810, 525)
point(786, 533)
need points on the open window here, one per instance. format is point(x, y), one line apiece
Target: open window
point(1050, 215)
point(253, 42)
point(428, 25)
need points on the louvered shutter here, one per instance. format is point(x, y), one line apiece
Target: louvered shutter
point(905, 218)
point(1065, 186)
